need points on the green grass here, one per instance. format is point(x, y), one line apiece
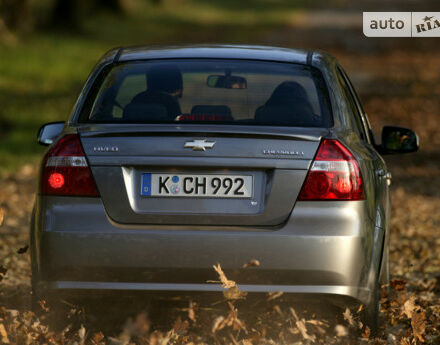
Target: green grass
point(42, 74)
point(39, 81)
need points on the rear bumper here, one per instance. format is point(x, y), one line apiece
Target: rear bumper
point(307, 295)
point(330, 249)
point(88, 287)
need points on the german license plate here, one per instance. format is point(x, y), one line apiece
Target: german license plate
point(189, 185)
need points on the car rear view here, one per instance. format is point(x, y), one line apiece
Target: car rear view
point(177, 160)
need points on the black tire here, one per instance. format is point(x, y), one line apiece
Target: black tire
point(385, 267)
point(35, 304)
point(371, 317)
point(37, 296)
point(40, 295)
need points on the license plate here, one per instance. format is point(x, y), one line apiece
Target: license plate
point(188, 185)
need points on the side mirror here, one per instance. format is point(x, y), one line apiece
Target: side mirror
point(399, 140)
point(49, 131)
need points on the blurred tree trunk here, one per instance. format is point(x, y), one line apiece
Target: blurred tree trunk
point(15, 14)
point(115, 6)
point(5, 35)
point(65, 14)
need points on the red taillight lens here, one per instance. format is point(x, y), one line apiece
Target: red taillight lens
point(334, 175)
point(65, 170)
point(56, 180)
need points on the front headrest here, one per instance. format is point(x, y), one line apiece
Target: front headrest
point(164, 78)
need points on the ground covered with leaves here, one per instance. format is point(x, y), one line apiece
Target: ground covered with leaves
point(397, 87)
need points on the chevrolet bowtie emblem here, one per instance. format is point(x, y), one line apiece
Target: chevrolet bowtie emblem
point(199, 145)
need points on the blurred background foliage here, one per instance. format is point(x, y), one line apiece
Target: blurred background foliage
point(48, 47)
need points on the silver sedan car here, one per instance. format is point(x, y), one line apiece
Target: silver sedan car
point(177, 158)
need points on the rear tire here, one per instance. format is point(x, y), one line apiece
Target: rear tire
point(372, 312)
point(41, 298)
point(35, 297)
point(385, 269)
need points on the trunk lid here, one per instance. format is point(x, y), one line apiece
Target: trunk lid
point(276, 159)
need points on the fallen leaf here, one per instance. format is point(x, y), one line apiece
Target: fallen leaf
point(217, 324)
point(405, 341)
point(191, 311)
point(366, 333)
point(141, 324)
point(180, 327)
point(315, 322)
point(409, 306)
point(293, 312)
point(317, 325)
point(166, 339)
point(82, 335)
point(3, 334)
point(301, 325)
point(277, 309)
point(226, 283)
point(251, 263)
point(341, 331)
point(13, 312)
point(231, 336)
point(233, 320)
point(348, 317)
point(274, 295)
point(418, 325)
point(234, 293)
point(97, 337)
point(2, 215)
point(294, 330)
point(23, 249)
point(398, 284)
point(43, 305)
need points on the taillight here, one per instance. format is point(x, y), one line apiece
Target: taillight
point(334, 175)
point(65, 170)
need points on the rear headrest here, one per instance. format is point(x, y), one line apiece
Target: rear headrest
point(299, 113)
point(287, 92)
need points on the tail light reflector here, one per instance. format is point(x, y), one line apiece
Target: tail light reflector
point(65, 170)
point(334, 175)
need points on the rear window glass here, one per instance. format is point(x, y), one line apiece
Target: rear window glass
point(210, 91)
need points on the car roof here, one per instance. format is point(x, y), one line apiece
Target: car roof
point(248, 52)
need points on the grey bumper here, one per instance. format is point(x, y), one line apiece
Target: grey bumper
point(331, 248)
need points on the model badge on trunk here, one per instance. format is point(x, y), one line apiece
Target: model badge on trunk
point(199, 145)
point(105, 149)
point(282, 152)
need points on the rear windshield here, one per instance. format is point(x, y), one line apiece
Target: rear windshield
point(210, 91)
